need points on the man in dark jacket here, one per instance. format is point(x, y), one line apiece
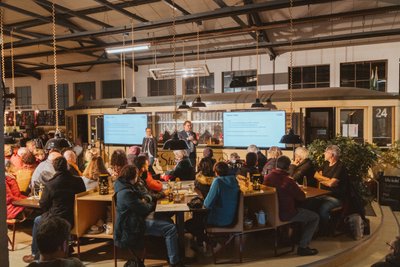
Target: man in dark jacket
point(302, 167)
point(289, 194)
point(149, 146)
point(57, 200)
point(191, 139)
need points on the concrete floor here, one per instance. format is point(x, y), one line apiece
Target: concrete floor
point(258, 251)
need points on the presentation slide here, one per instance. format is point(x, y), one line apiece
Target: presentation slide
point(124, 129)
point(261, 128)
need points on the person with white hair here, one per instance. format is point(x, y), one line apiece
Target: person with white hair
point(333, 177)
point(302, 167)
point(273, 153)
point(44, 171)
point(16, 159)
point(183, 168)
point(261, 158)
point(70, 156)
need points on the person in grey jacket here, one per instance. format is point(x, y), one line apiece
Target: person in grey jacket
point(44, 171)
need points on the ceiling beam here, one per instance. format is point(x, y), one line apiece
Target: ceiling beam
point(121, 10)
point(219, 13)
point(175, 5)
point(88, 11)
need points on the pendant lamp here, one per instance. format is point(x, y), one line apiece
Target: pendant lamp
point(291, 138)
point(134, 103)
point(197, 103)
point(258, 103)
point(175, 143)
point(58, 142)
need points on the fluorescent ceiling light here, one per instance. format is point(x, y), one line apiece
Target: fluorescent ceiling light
point(126, 49)
point(183, 72)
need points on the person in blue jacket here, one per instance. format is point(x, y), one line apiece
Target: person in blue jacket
point(222, 199)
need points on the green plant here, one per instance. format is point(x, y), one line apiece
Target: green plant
point(358, 158)
point(389, 157)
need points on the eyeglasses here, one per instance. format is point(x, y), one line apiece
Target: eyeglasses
point(387, 243)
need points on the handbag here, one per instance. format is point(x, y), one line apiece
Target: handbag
point(157, 167)
point(195, 203)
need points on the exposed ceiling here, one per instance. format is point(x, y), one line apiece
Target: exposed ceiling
point(226, 27)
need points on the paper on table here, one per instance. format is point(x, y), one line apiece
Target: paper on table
point(172, 207)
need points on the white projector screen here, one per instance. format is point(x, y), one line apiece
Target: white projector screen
point(124, 129)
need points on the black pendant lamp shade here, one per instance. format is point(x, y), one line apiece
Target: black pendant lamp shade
point(257, 104)
point(198, 104)
point(123, 105)
point(183, 105)
point(291, 138)
point(175, 143)
point(134, 103)
point(58, 142)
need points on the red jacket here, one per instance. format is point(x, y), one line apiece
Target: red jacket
point(152, 184)
point(288, 193)
point(12, 194)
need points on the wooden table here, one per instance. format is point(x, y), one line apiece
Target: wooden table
point(312, 192)
point(27, 203)
point(179, 210)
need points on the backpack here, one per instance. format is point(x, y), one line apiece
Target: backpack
point(355, 225)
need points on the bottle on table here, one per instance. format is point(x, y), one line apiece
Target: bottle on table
point(305, 182)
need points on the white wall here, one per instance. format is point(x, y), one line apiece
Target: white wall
point(332, 56)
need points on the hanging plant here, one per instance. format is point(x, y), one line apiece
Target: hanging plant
point(357, 158)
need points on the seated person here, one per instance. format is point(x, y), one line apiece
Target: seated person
point(333, 177)
point(393, 258)
point(131, 211)
point(52, 240)
point(222, 199)
point(117, 162)
point(261, 159)
point(92, 173)
point(132, 154)
point(302, 167)
point(70, 156)
point(289, 195)
point(154, 186)
point(57, 200)
point(250, 166)
point(12, 194)
point(205, 176)
point(273, 153)
point(234, 163)
point(208, 153)
point(44, 171)
point(183, 168)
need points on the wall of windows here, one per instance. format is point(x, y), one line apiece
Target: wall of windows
point(310, 76)
point(206, 84)
point(62, 90)
point(23, 97)
point(160, 87)
point(111, 89)
point(365, 74)
point(239, 81)
point(84, 91)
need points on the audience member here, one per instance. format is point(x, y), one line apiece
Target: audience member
point(205, 176)
point(44, 171)
point(302, 167)
point(154, 186)
point(149, 146)
point(289, 194)
point(39, 155)
point(93, 171)
point(223, 197)
point(234, 163)
point(25, 138)
point(12, 194)
point(261, 159)
point(89, 154)
point(24, 174)
point(132, 207)
point(273, 153)
point(393, 258)
point(52, 241)
point(57, 200)
point(31, 145)
point(191, 139)
point(70, 156)
point(16, 159)
point(250, 166)
point(117, 162)
point(208, 153)
point(132, 153)
point(183, 169)
point(333, 177)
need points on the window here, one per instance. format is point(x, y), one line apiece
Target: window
point(239, 81)
point(23, 97)
point(160, 87)
point(111, 89)
point(366, 74)
point(352, 123)
point(84, 91)
point(62, 90)
point(206, 85)
point(382, 126)
point(310, 76)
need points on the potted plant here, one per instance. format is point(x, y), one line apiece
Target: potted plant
point(388, 162)
point(358, 158)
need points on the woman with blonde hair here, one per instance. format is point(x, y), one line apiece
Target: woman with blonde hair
point(93, 171)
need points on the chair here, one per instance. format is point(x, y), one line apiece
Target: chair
point(277, 223)
point(233, 231)
point(13, 223)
